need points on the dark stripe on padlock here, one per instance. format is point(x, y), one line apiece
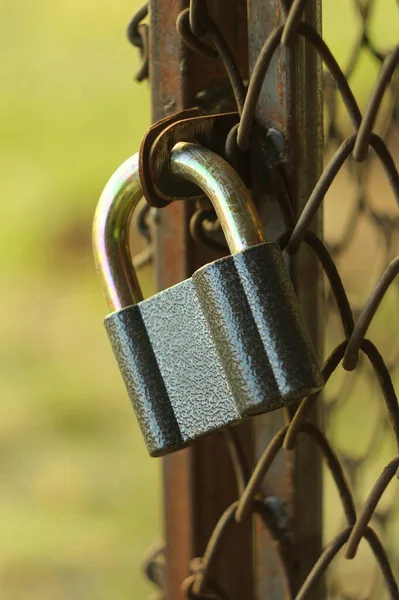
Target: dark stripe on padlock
point(254, 318)
point(143, 380)
point(236, 337)
point(277, 314)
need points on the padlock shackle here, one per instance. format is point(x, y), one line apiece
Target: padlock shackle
point(111, 229)
point(230, 198)
point(219, 181)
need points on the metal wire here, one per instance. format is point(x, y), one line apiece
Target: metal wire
point(137, 34)
point(353, 301)
point(208, 26)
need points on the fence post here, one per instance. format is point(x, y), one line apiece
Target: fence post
point(198, 482)
point(291, 101)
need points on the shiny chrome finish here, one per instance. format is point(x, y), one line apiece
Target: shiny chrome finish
point(111, 236)
point(228, 194)
point(112, 220)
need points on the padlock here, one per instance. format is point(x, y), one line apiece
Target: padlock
point(228, 342)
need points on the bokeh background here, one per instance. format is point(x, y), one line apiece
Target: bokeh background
point(79, 498)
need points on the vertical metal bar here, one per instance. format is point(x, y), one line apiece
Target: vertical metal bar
point(198, 482)
point(291, 102)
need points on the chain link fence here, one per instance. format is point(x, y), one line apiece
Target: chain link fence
point(359, 193)
point(362, 234)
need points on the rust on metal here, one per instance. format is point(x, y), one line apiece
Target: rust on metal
point(146, 173)
point(279, 96)
point(208, 131)
point(195, 493)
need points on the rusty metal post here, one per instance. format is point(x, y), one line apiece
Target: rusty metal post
point(291, 102)
point(198, 482)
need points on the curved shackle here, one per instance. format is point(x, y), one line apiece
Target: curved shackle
point(111, 230)
point(219, 181)
point(230, 198)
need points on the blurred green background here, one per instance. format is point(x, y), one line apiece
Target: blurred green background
point(79, 497)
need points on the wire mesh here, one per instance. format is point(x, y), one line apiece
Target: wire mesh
point(359, 193)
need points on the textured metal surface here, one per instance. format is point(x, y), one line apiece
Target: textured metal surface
point(214, 349)
point(256, 324)
point(171, 369)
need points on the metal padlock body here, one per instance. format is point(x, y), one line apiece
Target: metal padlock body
point(208, 352)
point(171, 369)
point(226, 343)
